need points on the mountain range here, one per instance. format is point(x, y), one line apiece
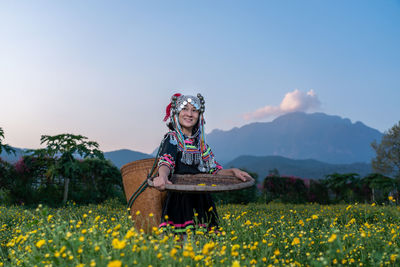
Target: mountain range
point(118, 157)
point(298, 135)
point(304, 168)
point(296, 144)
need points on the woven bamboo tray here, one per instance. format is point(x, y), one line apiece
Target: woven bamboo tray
point(202, 183)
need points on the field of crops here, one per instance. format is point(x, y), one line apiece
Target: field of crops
point(249, 235)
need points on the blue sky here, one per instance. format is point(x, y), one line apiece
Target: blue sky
point(106, 69)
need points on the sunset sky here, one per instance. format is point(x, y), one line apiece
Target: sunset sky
point(107, 69)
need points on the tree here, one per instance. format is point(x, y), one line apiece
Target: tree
point(65, 147)
point(6, 180)
point(6, 169)
point(99, 180)
point(387, 160)
point(5, 147)
point(342, 185)
point(286, 189)
point(380, 183)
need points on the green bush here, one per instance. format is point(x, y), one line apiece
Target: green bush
point(243, 196)
point(285, 189)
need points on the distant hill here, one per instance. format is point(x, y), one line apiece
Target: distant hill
point(307, 168)
point(124, 156)
point(11, 157)
point(298, 136)
point(118, 157)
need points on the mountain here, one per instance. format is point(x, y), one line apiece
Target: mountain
point(301, 136)
point(298, 135)
point(307, 168)
point(118, 157)
point(124, 156)
point(11, 157)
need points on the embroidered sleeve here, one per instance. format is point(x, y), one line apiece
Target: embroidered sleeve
point(168, 152)
point(216, 168)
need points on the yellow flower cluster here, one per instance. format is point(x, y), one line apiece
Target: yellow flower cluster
point(248, 235)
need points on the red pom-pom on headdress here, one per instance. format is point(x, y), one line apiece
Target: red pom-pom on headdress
point(168, 109)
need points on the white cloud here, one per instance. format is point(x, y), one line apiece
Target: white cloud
point(293, 101)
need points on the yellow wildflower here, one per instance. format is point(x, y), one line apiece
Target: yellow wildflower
point(173, 252)
point(208, 247)
point(40, 243)
point(332, 238)
point(235, 264)
point(198, 257)
point(118, 244)
point(116, 263)
point(295, 241)
point(277, 252)
point(129, 234)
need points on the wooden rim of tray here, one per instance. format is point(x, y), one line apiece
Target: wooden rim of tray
point(203, 183)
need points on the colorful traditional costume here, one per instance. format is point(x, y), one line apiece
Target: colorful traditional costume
point(187, 155)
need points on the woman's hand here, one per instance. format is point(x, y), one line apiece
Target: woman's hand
point(159, 182)
point(242, 175)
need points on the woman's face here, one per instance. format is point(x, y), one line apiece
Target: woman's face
point(188, 118)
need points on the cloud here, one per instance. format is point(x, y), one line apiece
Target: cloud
point(292, 102)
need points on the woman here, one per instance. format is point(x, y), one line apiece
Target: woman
point(184, 151)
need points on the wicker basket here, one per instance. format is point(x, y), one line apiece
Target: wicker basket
point(147, 208)
point(203, 183)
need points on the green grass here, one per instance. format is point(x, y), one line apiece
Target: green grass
point(249, 235)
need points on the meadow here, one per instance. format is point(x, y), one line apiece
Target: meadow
point(249, 235)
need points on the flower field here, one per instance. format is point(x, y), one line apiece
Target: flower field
point(251, 235)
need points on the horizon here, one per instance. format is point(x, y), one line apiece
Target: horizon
point(107, 70)
point(330, 115)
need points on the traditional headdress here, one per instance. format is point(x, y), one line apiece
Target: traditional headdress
point(203, 156)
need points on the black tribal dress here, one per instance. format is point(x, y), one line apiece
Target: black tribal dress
point(182, 211)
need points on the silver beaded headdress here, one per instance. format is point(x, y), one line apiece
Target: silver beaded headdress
point(179, 102)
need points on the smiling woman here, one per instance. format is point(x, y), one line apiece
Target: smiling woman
point(184, 151)
point(188, 118)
